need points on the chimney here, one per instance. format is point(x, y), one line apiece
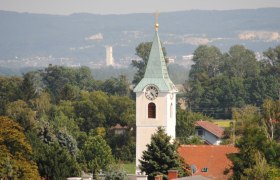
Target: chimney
point(172, 174)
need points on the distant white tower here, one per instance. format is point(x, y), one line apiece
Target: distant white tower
point(109, 56)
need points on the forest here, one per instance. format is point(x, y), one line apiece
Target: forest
point(58, 121)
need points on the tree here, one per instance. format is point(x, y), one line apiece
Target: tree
point(207, 61)
point(63, 82)
point(9, 91)
point(123, 111)
point(97, 154)
point(272, 56)
point(19, 111)
point(271, 112)
point(254, 149)
point(54, 162)
point(142, 51)
point(161, 156)
point(248, 116)
point(15, 152)
point(241, 62)
point(93, 109)
point(116, 86)
point(260, 170)
point(32, 85)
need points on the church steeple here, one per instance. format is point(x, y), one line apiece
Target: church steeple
point(155, 100)
point(156, 71)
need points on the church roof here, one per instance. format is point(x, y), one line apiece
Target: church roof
point(156, 70)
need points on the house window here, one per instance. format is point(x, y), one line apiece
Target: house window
point(200, 132)
point(151, 110)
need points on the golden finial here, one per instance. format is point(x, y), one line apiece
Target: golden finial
point(157, 25)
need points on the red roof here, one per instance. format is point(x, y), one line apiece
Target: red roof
point(211, 157)
point(210, 127)
point(118, 126)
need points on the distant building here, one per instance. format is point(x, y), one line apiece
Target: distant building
point(208, 160)
point(118, 129)
point(109, 56)
point(209, 132)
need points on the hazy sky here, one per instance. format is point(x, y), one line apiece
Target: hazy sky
point(128, 6)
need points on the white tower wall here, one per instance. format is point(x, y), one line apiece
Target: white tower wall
point(146, 127)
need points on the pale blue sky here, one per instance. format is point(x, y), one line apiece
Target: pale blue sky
point(128, 6)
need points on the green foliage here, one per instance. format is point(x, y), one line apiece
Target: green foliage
point(68, 142)
point(59, 111)
point(123, 145)
point(260, 170)
point(241, 62)
point(32, 85)
point(161, 156)
point(271, 117)
point(256, 154)
point(191, 140)
point(15, 152)
point(207, 63)
point(9, 91)
point(272, 57)
point(97, 154)
point(116, 86)
point(218, 82)
point(116, 172)
point(64, 83)
point(41, 104)
point(245, 117)
point(55, 162)
point(124, 111)
point(19, 111)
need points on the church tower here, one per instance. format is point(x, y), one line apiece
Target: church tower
point(155, 100)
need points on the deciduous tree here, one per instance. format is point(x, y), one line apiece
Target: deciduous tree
point(97, 154)
point(15, 152)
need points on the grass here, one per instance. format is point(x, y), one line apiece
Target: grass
point(129, 167)
point(222, 123)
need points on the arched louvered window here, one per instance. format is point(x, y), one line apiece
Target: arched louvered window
point(151, 110)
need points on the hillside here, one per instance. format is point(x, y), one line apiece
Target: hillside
point(80, 39)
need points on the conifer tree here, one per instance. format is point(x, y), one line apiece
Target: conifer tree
point(161, 155)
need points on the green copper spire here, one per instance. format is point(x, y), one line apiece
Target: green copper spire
point(156, 70)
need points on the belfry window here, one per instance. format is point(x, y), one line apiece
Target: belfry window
point(151, 110)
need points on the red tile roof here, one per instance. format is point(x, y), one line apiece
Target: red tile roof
point(211, 127)
point(208, 156)
point(118, 126)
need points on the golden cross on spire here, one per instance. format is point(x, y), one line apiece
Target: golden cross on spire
point(157, 25)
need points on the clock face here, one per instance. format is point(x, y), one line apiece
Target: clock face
point(151, 92)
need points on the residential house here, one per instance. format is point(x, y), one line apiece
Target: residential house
point(118, 129)
point(209, 132)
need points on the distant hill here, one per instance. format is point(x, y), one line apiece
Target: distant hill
point(82, 37)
